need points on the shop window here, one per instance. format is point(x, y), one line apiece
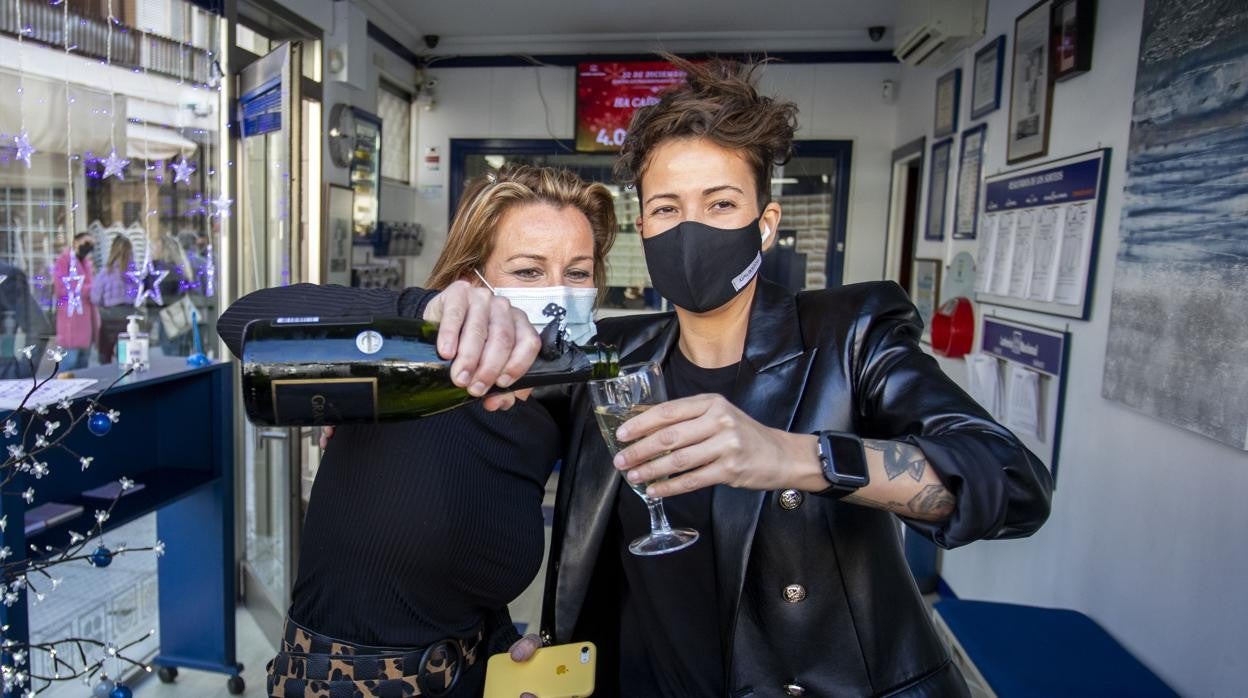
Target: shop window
point(394, 106)
point(125, 145)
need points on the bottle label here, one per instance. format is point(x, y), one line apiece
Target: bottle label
point(369, 341)
point(324, 401)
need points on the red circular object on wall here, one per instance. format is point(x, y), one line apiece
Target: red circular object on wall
point(953, 328)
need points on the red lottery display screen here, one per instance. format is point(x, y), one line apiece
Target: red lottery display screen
point(607, 94)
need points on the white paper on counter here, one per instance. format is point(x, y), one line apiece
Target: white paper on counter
point(984, 382)
point(13, 391)
point(1023, 412)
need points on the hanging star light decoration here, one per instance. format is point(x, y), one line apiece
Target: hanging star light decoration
point(147, 278)
point(210, 272)
point(73, 288)
point(113, 165)
point(182, 171)
point(24, 148)
point(221, 206)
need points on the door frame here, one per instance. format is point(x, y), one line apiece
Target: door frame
point(902, 159)
point(838, 226)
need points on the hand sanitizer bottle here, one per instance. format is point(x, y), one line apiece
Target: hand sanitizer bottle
point(132, 346)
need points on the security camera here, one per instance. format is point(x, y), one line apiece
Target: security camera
point(876, 33)
point(431, 40)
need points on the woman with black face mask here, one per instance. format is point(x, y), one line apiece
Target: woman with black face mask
point(799, 426)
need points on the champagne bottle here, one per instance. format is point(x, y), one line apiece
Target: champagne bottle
point(309, 372)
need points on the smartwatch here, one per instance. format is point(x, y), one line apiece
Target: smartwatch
point(844, 462)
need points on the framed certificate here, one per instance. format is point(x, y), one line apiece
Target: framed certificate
point(1031, 91)
point(948, 95)
point(970, 170)
point(938, 190)
point(1074, 24)
point(986, 78)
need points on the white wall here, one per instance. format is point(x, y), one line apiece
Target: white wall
point(835, 102)
point(1147, 531)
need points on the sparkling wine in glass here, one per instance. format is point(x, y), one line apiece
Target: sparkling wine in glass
point(616, 400)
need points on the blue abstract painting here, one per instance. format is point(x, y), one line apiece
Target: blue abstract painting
point(1178, 331)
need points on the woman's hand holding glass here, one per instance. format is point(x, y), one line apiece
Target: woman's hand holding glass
point(636, 390)
point(704, 440)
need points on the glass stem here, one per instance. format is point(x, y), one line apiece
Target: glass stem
point(658, 518)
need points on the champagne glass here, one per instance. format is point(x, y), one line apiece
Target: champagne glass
point(616, 400)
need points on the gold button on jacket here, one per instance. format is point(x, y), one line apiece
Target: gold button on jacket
point(790, 499)
point(794, 593)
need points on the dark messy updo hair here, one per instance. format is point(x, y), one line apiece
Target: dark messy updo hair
point(718, 101)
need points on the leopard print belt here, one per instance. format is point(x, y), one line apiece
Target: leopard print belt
point(311, 665)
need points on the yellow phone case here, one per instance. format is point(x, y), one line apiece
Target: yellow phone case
point(560, 671)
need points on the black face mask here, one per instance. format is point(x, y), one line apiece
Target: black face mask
point(700, 268)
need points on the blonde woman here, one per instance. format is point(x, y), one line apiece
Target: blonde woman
point(418, 534)
point(113, 293)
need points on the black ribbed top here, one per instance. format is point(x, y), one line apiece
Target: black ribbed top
point(419, 530)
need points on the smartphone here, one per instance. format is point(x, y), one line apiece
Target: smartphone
point(559, 671)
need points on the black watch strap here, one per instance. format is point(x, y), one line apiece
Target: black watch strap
point(844, 462)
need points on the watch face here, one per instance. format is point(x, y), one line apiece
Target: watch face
point(847, 457)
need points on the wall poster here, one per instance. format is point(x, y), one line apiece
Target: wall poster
point(1031, 89)
point(970, 172)
point(1038, 233)
point(1177, 325)
point(938, 190)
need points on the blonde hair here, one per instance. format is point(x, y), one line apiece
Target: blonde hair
point(120, 254)
point(472, 235)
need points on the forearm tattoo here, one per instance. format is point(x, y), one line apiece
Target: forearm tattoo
point(932, 501)
point(899, 458)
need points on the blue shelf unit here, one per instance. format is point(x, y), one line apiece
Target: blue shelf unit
point(175, 436)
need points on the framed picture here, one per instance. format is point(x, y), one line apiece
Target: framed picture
point(339, 219)
point(948, 95)
point(1031, 90)
point(986, 80)
point(1039, 235)
point(925, 291)
point(938, 190)
point(1074, 25)
point(970, 171)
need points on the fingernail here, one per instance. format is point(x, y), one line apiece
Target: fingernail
point(478, 389)
point(652, 493)
point(504, 380)
point(619, 461)
point(622, 433)
point(634, 476)
point(463, 377)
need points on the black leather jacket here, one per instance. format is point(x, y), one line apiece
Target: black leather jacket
point(845, 359)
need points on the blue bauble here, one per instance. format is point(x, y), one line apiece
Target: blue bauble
point(121, 691)
point(99, 423)
point(198, 360)
point(103, 689)
point(102, 557)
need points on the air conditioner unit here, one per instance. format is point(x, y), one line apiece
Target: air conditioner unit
point(931, 31)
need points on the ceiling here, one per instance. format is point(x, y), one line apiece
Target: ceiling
point(493, 27)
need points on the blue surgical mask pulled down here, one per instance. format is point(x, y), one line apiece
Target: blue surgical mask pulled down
point(573, 307)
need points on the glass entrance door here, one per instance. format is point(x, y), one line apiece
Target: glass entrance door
point(271, 208)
